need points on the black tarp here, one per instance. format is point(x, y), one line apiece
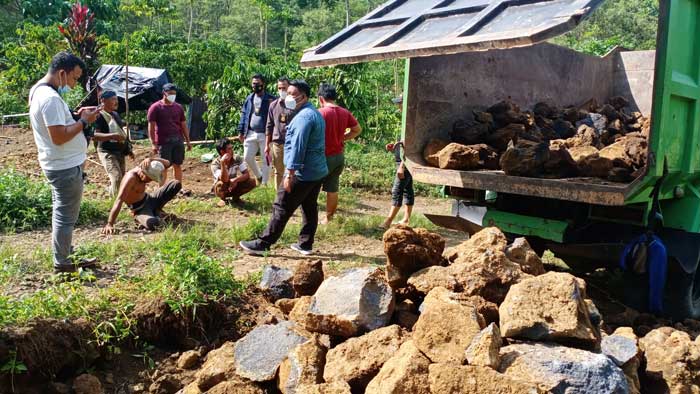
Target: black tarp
point(145, 86)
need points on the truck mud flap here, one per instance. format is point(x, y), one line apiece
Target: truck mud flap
point(454, 223)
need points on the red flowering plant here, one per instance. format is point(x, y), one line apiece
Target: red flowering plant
point(79, 30)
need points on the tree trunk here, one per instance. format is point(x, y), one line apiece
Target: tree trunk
point(189, 32)
point(286, 29)
point(262, 27)
point(347, 13)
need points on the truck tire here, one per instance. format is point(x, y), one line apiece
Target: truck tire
point(682, 296)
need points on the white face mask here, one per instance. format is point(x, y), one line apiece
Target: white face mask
point(283, 94)
point(290, 103)
point(171, 97)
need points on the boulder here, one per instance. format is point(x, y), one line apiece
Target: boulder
point(525, 158)
point(549, 307)
point(559, 163)
point(217, 367)
point(87, 384)
point(367, 303)
point(458, 157)
point(405, 372)
point(236, 385)
point(505, 113)
point(563, 128)
point(467, 133)
point(485, 347)
point(545, 110)
point(483, 117)
point(405, 319)
point(563, 370)
point(431, 150)
point(673, 361)
point(165, 384)
point(188, 359)
point(474, 379)
point(409, 250)
point(337, 387)
point(259, 354)
point(520, 252)
point(573, 114)
point(501, 138)
point(303, 366)
point(618, 102)
point(300, 311)
point(276, 283)
point(308, 276)
point(429, 278)
point(490, 238)
point(357, 360)
point(619, 348)
point(629, 152)
point(594, 120)
point(488, 157)
point(191, 388)
point(589, 162)
point(585, 136)
point(446, 326)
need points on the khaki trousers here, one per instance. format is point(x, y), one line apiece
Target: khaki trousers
point(115, 166)
point(277, 155)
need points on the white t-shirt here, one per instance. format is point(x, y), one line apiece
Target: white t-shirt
point(47, 108)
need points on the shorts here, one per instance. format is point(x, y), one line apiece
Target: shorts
point(402, 190)
point(172, 151)
point(336, 163)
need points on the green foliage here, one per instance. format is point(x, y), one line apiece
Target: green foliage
point(13, 367)
point(26, 204)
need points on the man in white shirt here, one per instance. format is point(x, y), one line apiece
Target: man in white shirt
point(62, 148)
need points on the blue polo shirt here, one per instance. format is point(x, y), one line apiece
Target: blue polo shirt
point(305, 145)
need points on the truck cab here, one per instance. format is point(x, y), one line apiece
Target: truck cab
point(465, 55)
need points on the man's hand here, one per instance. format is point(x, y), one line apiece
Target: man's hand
point(267, 149)
point(117, 137)
point(132, 156)
point(400, 173)
point(288, 181)
point(89, 114)
point(389, 147)
point(154, 149)
point(108, 229)
point(189, 146)
point(241, 138)
point(226, 158)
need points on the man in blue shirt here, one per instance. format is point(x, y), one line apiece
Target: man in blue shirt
point(305, 163)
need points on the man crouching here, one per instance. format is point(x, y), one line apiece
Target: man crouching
point(145, 207)
point(231, 176)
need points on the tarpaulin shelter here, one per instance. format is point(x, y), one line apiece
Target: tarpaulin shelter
point(145, 86)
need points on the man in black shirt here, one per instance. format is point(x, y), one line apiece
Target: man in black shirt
point(113, 142)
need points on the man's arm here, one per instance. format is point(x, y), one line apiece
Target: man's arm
point(244, 118)
point(353, 132)
point(186, 133)
point(299, 142)
point(245, 175)
point(152, 136)
point(269, 127)
point(60, 134)
point(117, 206)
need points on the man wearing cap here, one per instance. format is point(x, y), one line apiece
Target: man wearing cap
point(167, 129)
point(113, 143)
point(147, 208)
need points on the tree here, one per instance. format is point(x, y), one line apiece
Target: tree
point(79, 32)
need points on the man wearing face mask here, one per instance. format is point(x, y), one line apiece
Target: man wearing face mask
point(251, 129)
point(277, 119)
point(167, 129)
point(305, 162)
point(62, 147)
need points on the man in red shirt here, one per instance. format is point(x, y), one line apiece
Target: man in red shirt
point(167, 129)
point(341, 126)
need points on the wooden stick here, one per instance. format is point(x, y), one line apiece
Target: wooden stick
point(6, 137)
point(94, 162)
point(211, 141)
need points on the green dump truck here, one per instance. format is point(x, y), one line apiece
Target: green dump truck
point(471, 53)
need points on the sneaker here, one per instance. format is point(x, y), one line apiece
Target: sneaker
point(70, 268)
point(300, 249)
point(255, 247)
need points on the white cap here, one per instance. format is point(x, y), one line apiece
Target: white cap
point(155, 170)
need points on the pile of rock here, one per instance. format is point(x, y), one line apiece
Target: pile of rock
point(606, 141)
point(482, 317)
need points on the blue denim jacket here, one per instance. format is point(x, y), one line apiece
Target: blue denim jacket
point(247, 111)
point(305, 145)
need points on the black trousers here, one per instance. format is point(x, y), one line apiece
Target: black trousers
point(304, 194)
point(147, 211)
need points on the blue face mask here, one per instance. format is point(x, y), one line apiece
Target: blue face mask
point(63, 89)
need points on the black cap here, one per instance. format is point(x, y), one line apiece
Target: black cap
point(107, 94)
point(169, 86)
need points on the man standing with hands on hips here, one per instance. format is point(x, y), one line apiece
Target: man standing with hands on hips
point(305, 161)
point(62, 148)
point(167, 129)
point(251, 129)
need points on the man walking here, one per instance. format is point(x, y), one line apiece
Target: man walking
point(62, 148)
point(113, 143)
point(341, 126)
point(306, 167)
point(167, 129)
point(277, 119)
point(251, 129)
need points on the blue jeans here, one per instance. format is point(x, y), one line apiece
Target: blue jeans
point(66, 193)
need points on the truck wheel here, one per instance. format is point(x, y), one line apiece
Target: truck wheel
point(682, 298)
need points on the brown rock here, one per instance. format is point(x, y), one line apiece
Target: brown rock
point(573, 114)
point(500, 138)
point(485, 347)
point(458, 157)
point(446, 326)
point(300, 311)
point(589, 162)
point(545, 110)
point(357, 360)
point(585, 136)
point(618, 102)
point(165, 384)
point(87, 384)
point(488, 157)
point(405, 372)
point(525, 158)
point(609, 112)
point(405, 319)
point(629, 152)
point(559, 164)
point(505, 113)
point(236, 385)
point(490, 238)
point(469, 379)
point(303, 366)
point(548, 307)
point(308, 276)
point(286, 304)
point(409, 250)
point(520, 252)
point(631, 367)
point(489, 275)
point(483, 117)
point(337, 387)
point(467, 134)
point(563, 128)
point(429, 278)
point(188, 359)
point(431, 150)
point(673, 361)
point(191, 388)
point(218, 367)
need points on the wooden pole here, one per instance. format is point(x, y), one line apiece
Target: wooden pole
point(126, 90)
